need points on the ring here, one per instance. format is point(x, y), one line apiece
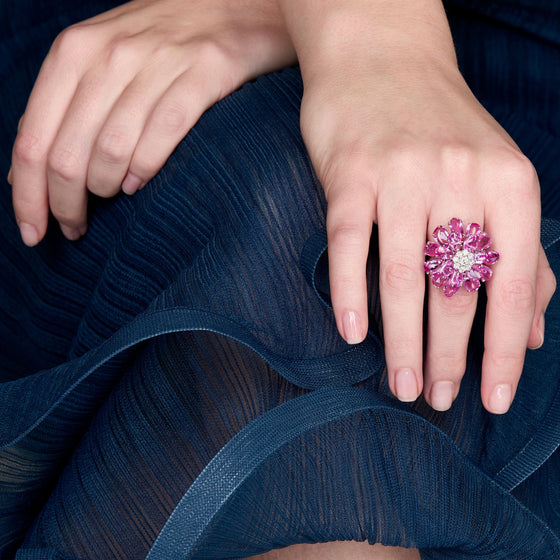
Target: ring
point(459, 257)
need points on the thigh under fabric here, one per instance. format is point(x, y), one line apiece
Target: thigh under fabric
point(173, 386)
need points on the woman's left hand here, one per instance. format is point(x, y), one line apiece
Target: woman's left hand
point(118, 92)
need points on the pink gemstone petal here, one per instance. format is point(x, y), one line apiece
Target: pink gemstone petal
point(457, 278)
point(474, 274)
point(473, 229)
point(446, 268)
point(438, 280)
point(470, 243)
point(440, 235)
point(484, 271)
point(431, 265)
point(472, 284)
point(456, 226)
point(491, 257)
point(433, 249)
point(483, 241)
point(455, 241)
point(450, 289)
point(441, 274)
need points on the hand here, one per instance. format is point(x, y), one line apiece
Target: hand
point(118, 92)
point(398, 139)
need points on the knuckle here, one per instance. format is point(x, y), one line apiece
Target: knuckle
point(211, 53)
point(121, 52)
point(70, 42)
point(509, 362)
point(404, 156)
point(519, 174)
point(344, 173)
point(517, 296)
point(114, 147)
point(171, 118)
point(401, 276)
point(346, 238)
point(448, 366)
point(65, 164)
point(28, 149)
point(457, 156)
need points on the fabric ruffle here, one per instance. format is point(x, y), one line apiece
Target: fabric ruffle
point(173, 385)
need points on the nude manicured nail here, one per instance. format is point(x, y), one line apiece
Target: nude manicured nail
point(500, 399)
point(405, 385)
point(441, 395)
point(131, 183)
point(10, 176)
point(540, 328)
point(29, 234)
point(352, 328)
point(73, 234)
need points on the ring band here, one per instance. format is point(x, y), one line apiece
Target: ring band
point(459, 257)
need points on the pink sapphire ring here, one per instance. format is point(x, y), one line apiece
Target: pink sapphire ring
point(459, 257)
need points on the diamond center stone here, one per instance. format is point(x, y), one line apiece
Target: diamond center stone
point(463, 260)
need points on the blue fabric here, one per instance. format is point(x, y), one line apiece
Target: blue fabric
point(173, 386)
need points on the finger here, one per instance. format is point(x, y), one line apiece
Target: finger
point(115, 145)
point(174, 115)
point(449, 326)
point(513, 225)
point(546, 285)
point(402, 286)
point(47, 104)
point(70, 154)
point(350, 215)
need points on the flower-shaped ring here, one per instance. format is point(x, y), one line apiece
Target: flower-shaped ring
point(459, 257)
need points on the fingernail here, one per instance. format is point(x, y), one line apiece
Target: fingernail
point(500, 399)
point(73, 234)
point(442, 394)
point(351, 326)
point(540, 333)
point(540, 328)
point(29, 234)
point(131, 183)
point(10, 177)
point(406, 386)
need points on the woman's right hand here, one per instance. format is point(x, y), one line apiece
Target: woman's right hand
point(118, 92)
point(398, 139)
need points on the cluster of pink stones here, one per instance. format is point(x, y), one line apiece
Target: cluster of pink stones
point(459, 257)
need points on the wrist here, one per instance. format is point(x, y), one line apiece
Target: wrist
point(377, 35)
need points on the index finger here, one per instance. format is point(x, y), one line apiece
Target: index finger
point(350, 217)
point(47, 104)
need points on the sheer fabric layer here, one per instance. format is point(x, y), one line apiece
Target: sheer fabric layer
point(173, 385)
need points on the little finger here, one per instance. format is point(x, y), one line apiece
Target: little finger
point(511, 302)
point(546, 286)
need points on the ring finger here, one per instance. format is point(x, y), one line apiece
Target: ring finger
point(449, 326)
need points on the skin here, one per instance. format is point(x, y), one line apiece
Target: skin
point(398, 139)
point(122, 91)
point(394, 133)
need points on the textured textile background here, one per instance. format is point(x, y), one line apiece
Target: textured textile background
point(172, 386)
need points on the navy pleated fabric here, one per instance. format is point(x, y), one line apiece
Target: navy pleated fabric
point(173, 386)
